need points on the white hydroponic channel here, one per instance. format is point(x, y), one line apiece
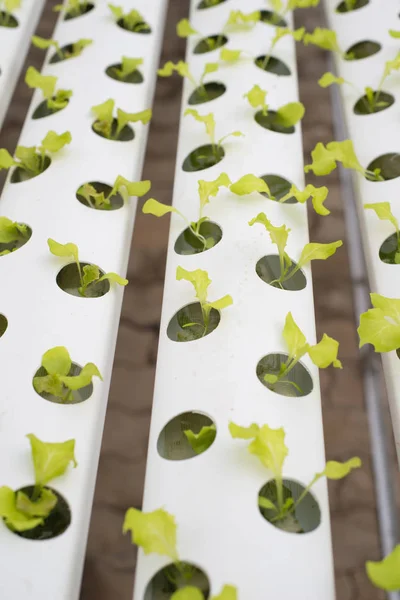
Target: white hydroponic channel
point(14, 44)
point(214, 496)
point(40, 315)
point(374, 135)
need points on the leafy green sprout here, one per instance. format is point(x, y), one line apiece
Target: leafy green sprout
point(128, 66)
point(268, 445)
point(12, 232)
point(182, 68)
point(122, 186)
point(380, 325)
point(89, 275)
point(6, 8)
point(57, 381)
point(206, 189)
point(279, 237)
point(286, 116)
point(209, 122)
point(325, 159)
point(33, 159)
point(283, 7)
point(322, 354)
point(76, 47)
point(325, 39)
point(104, 124)
point(133, 20)
point(55, 99)
point(201, 282)
point(385, 574)
point(73, 8)
point(281, 32)
point(384, 213)
point(200, 442)
point(50, 460)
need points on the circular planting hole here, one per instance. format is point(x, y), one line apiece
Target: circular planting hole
point(279, 187)
point(203, 157)
point(209, 3)
point(173, 443)
point(82, 9)
point(210, 43)
point(271, 121)
point(66, 51)
point(349, 6)
point(272, 18)
point(272, 65)
point(134, 77)
point(116, 201)
point(69, 281)
point(207, 92)
point(268, 269)
point(362, 50)
point(140, 27)
point(3, 324)
point(389, 165)
point(188, 323)
point(9, 247)
point(296, 383)
point(305, 518)
point(125, 135)
point(54, 525)
point(19, 175)
point(7, 20)
point(44, 111)
point(188, 243)
point(389, 252)
point(68, 396)
point(382, 101)
point(171, 578)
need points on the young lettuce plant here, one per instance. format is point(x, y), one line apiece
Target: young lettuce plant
point(384, 213)
point(385, 574)
point(325, 39)
point(182, 68)
point(6, 8)
point(268, 445)
point(89, 275)
point(281, 32)
point(109, 127)
point(206, 190)
point(229, 592)
point(22, 510)
point(34, 160)
point(13, 235)
point(70, 51)
point(312, 251)
point(132, 21)
point(73, 8)
point(283, 7)
point(209, 122)
point(128, 66)
point(324, 159)
point(200, 442)
point(57, 381)
point(380, 326)
point(122, 186)
point(285, 117)
point(55, 99)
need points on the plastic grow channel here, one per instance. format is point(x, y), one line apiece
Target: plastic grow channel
point(214, 495)
point(373, 135)
point(40, 315)
point(14, 44)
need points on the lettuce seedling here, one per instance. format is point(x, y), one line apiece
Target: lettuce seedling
point(74, 49)
point(380, 326)
point(312, 251)
point(200, 442)
point(128, 66)
point(229, 592)
point(394, 34)
point(383, 212)
point(324, 159)
point(200, 281)
point(132, 21)
point(385, 574)
point(182, 68)
point(206, 189)
point(57, 381)
point(33, 159)
point(209, 123)
point(268, 445)
point(105, 123)
point(122, 186)
point(90, 274)
point(6, 8)
point(73, 8)
point(56, 99)
point(281, 32)
point(13, 233)
point(323, 38)
point(286, 116)
point(322, 354)
point(50, 460)
point(284, 7)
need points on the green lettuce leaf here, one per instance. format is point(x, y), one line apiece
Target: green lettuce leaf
point(154, 532)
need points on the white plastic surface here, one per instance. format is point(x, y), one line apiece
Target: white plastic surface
point(40, 315)
point(214, 496)
point(374, 135)
point(14, 44)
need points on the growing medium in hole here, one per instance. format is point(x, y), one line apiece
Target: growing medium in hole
point(70, 51)
point(73, 8)
point(122, 186)
point(206, 190)
point(32, 160)
point(55, 99)
point(268, 445)
point(13, 235)
point(325, 159)
point(90, 274)
point(209, 122)
point(182, 68)
point(384, 213)
point(132, 21)
point(385, 574)
point(57, 381)
point(285, 117)
point(109, 127)
point(125, 70)
point(380, 325)
point(22, 512)
point(6, 8)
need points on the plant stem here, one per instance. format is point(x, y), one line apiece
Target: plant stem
point(37, 490)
